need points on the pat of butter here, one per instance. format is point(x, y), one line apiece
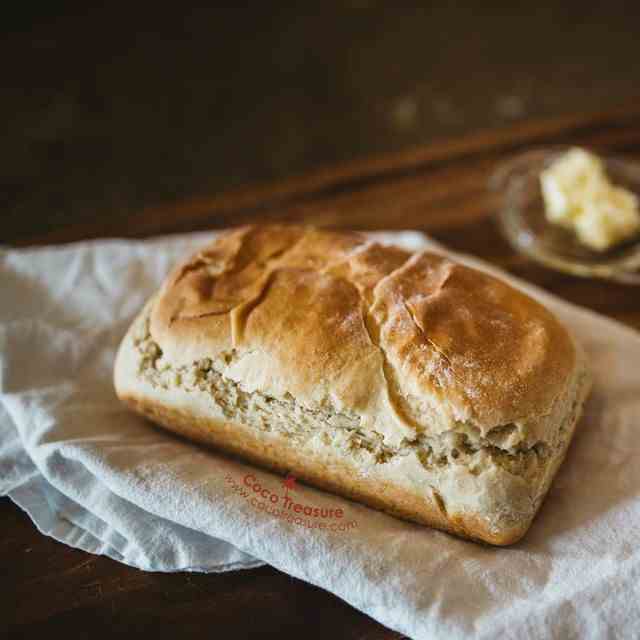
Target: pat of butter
point(579, 196)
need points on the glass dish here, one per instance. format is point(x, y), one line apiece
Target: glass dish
point(522, 219)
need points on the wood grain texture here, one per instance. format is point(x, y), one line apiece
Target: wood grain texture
point(440, 189)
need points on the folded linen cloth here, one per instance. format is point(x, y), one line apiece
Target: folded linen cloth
point(98, 478)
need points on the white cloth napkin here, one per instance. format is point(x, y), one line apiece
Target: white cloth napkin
point(96, 477)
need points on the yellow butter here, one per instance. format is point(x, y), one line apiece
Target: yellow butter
point(579, 196)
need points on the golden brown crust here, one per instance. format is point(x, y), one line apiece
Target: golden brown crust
point(369, 329)
point(508, 356)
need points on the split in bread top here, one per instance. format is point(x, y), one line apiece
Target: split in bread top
point(410, 343)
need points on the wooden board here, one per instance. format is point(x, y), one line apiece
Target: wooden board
point(441, 189)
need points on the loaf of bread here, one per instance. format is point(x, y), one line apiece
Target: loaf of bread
point(404, 381)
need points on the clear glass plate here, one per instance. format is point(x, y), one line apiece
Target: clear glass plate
point(522, 219)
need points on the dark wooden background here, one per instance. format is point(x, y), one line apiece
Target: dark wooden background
point(134, 124)
point(107, 110)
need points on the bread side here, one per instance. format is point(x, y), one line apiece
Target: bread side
point(461, 481)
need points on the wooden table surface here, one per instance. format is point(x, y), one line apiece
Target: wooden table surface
point(441, 189)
